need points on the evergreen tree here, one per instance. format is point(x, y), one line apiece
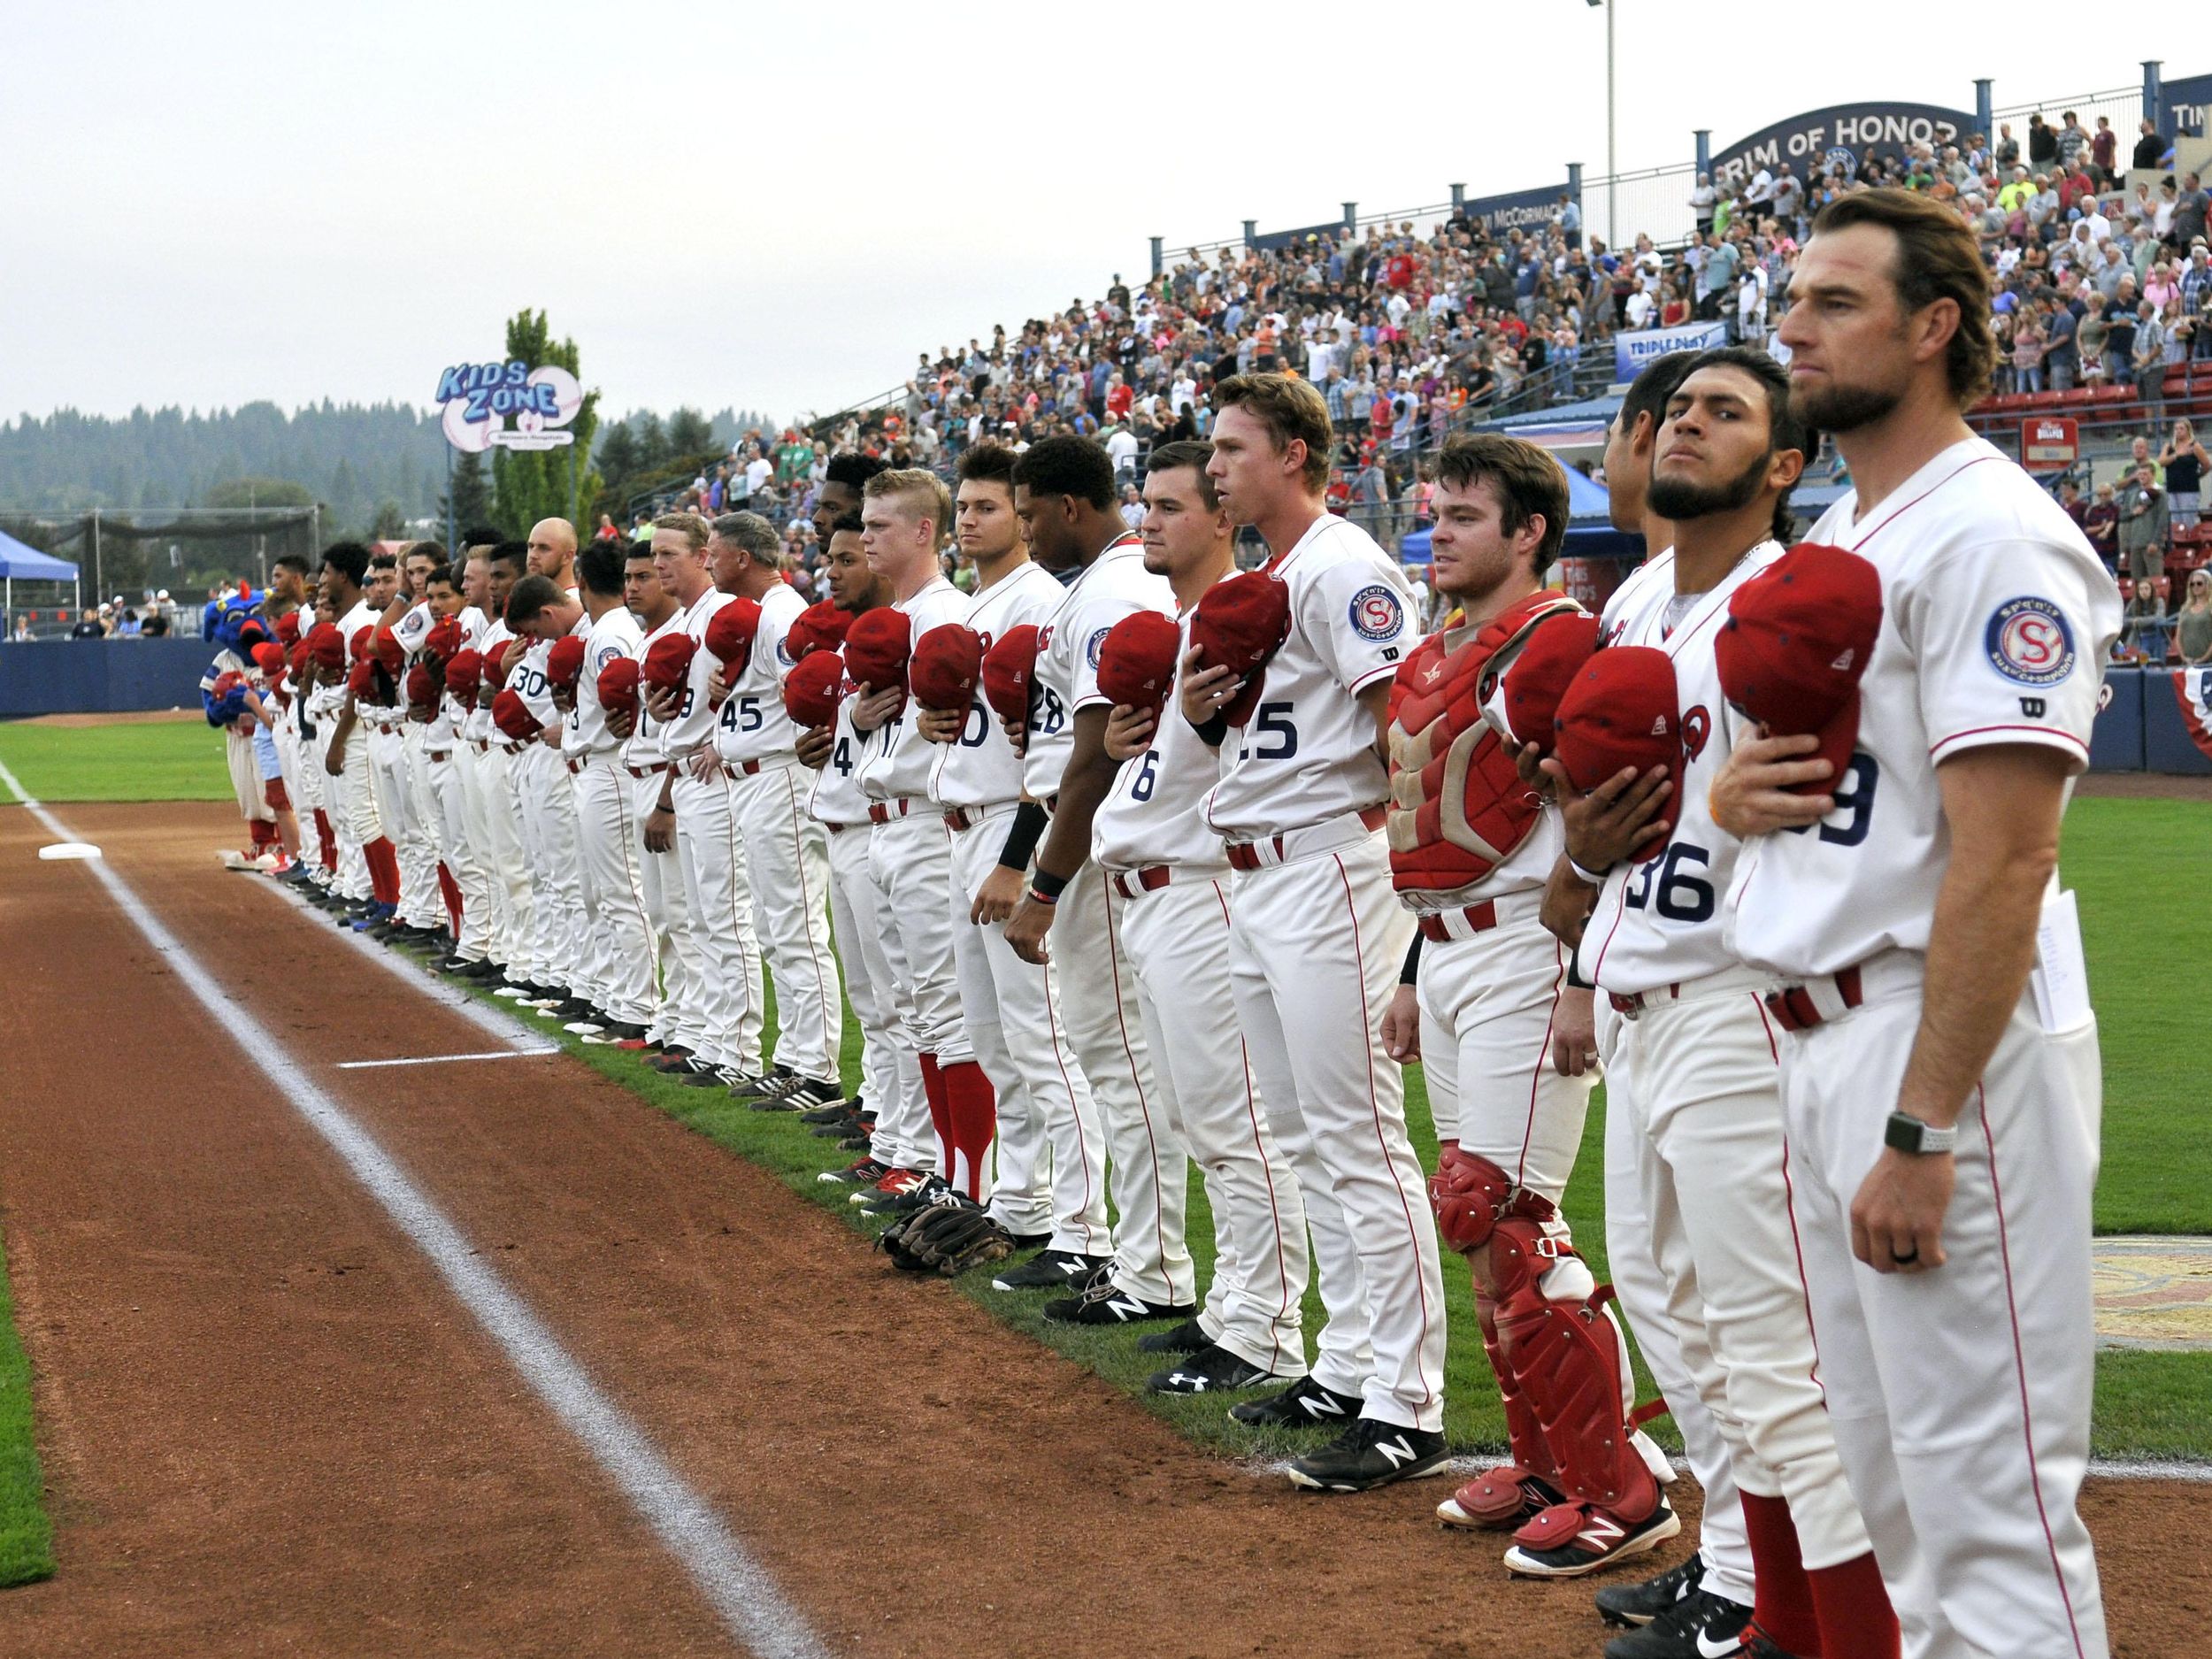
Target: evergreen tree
point(531, 485)
point(689, 433)
point(471, 496)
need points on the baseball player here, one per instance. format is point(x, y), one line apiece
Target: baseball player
point(448, 764)
point(1704, 1090)
point(787, 853)
point(499, 833)
point(1940, 1078)
point(287, 607)
point(695, 795)
point(891, 1068)
point(367, 875)
point(1150, 838)
point(395, 759)
point(1506, 1038)
point(264, 699)
point(1047, 1124)
point(1704, 1592)
point(678, 1021)
point(905, 513)
point(1063, 490)
point(323, 698)
point(547, 802)
point(483, 817)
point(1317, 935)
point(237, 632)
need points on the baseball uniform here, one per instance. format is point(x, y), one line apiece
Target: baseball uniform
point(786, 855)
point(1051, 1152)
point(498, 836)
point(416, 844)
point(1960, 1396)
point(547, 804)
point(451, 764)
point(1151, 840)
point(621, 966)
point(358, 825)
point(1148, 1171)
point(680, 1016)
point(1316, 939)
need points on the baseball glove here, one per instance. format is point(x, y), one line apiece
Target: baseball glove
point(947, 1238)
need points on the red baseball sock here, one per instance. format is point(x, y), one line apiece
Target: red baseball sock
point(972, 1109)
point(451, 892)
point(264, 832)
point(1853, 1605)
point(1784, 1595)
point(383, 870)
point(940, 1108)
point(328, 838)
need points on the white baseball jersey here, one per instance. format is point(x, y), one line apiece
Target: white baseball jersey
point(982, 768)
point(647, 745)
point(752, 725)
point(616, 634)
point(479, 728)
point(1155, 813)
point(451, 717)
point(1657, 922)
point(529, 681)
point(693, 728)
point(838, 797)
point(1308, 754)
point(1112, 586)
point(898, 759)
point(413, 628)
point(1997, 621)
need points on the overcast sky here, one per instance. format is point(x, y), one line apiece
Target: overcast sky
point(776, 207)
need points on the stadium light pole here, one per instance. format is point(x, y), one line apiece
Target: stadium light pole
point(1612, 170)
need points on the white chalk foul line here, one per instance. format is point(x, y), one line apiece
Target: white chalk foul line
point(442, 1059)
point(754, 1612)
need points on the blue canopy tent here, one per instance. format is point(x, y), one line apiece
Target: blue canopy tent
point(1590, 532)
point(19, 562)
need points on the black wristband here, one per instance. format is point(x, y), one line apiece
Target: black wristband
point(1213, 733)
point(1411, 971)
point(1574, 975)
point(1047, 887)
point(1023, 834)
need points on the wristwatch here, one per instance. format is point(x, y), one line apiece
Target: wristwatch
point(1908, 1133)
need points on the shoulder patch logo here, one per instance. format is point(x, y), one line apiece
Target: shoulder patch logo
point(2029, 643)
point(783, 653)
point(1377, 614)
point(1094, 646)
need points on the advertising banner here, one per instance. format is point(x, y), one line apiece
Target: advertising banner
point(1523, 210)
point(476, 400)
point(1634, 348)
point(1845, 133)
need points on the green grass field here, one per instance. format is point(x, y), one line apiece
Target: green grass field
point(2133, 862)
point(27, 1539)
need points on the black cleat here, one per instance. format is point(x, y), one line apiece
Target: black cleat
point(757, 1086)
point(798, 1093)
point(1187, 1338)
point(1630, 1605)
point(1305, 1404)
point(833, 1112)
point(921, 1196)
point(1368, 1454)
point(1105, 1304)
point(1598, 1540)
point(1210, 1371)
point(1050, 1270)
point(1701, 1623)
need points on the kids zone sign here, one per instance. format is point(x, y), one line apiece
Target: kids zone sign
point(507, 406)
point(1846, 133)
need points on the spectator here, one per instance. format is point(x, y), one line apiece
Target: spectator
point(2072, 140)
point(2143, 521)
point(2191, 204)
point(1132, 506)
point(2150, 360)
point(2150, 149)
point(2144, 627)
point(2042, 140)
point(2104, 149)
point(2193, 622)
point(87, 626)
point(156, 624)
point(2091, 335)
point(2028, 343)
point(22, 635)
point(2102, 525)
point(2008, 147)
point(2184, 460)
point(1702, 201)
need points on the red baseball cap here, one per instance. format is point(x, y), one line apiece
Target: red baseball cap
point(1009, 669)
point(226, 682)
point(1795, 646)
point(358, 647)
point(817, 627)
point(512, 715)
point(421, 692)
point(668, 661)
point(730, 631)
point(287, 628)
point(1240, 624)
point(565, 663)
point(1623, 709)
point(493, 671)
point(462, 675)
point(384, 646)
point(947, 662)
point(878, 647)
point(617, 686)
point(1136, 662)
point(812, 690)
point(299, 655)
point(268, 656)
point(445, 638)
point(327, 645)
point(360, 680)
point(1547, 664)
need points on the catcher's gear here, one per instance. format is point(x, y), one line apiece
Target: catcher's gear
point(948, 1238)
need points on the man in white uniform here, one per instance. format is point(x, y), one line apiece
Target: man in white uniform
point(786, 860)
point(500, 834)
point(905, 513)
point(546, 802)
point(696, 794)
point(1150, 838)
point(1940, 1078)
point(344, 754)
point(1700, 1047)
point(1317, 935)
point(410, 617)
point(1012, 1009)
point(450, 764)
point(1063, 490)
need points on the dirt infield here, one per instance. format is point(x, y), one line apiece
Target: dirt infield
point(270, 1427)
point(139, 716)
point(2141, 785)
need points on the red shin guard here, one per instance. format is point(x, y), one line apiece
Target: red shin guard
point(972, 1113)
point(383, 870)
point(1783, 1604)
point(1853, 1606)
point(940, 1109)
